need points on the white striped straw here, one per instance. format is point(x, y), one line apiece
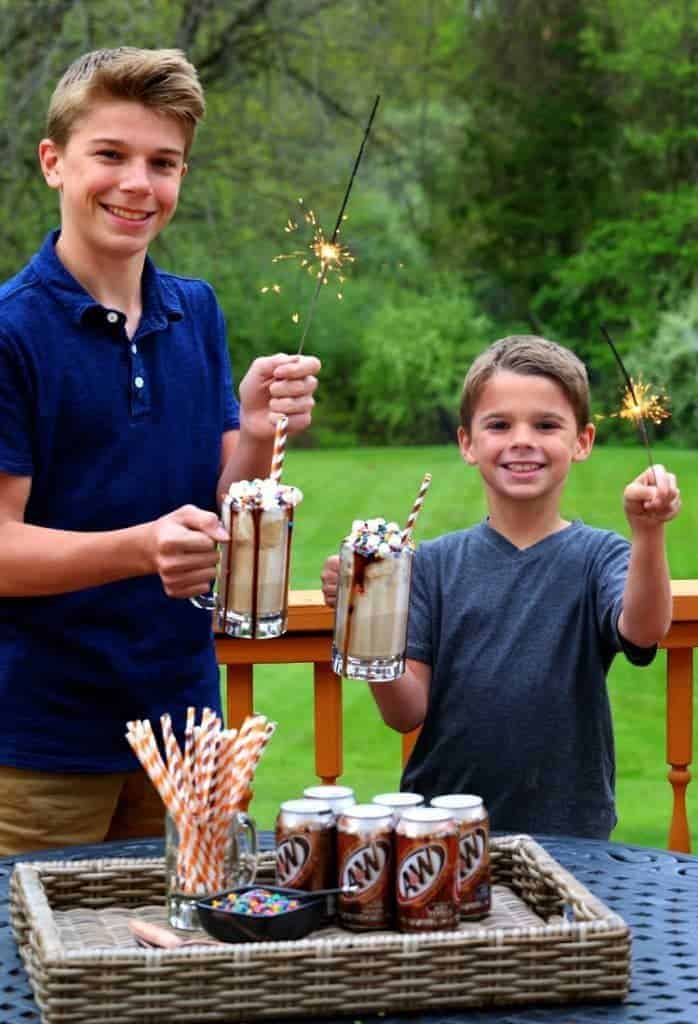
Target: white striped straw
point(277, 458)
point(418, 502)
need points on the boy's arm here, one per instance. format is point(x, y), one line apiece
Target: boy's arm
point(650, 501)
point(37, 562)
point(273, 386)
point(402, 703)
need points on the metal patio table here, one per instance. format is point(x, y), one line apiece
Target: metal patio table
point(655, 891)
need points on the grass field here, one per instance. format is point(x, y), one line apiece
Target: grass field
point(345, 484)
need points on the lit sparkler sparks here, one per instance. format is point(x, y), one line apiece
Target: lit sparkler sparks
point(321, 256)
point(640, 403)
point(324, 256)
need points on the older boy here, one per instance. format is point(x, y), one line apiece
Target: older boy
point(118, 429)
point(514, 622)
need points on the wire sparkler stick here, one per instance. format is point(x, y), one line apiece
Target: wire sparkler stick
point(637, 412)
point(322, 275)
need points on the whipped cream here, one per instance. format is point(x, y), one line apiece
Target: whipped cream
point(376, 538)
point(265, 494)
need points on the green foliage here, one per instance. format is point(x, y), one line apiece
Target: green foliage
point(628, 270)
point(670, 362)
point(415, 353)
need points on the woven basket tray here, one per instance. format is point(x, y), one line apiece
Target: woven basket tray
point(548, 940)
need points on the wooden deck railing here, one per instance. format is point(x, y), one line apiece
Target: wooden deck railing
point(309, 640)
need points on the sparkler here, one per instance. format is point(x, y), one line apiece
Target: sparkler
point(639, 403)
point(324, 256)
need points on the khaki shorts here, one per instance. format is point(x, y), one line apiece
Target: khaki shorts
point(39, 810)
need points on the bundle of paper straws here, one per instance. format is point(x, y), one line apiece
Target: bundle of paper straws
point(202, 787)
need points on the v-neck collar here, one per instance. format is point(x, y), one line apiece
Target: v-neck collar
point(497, 540)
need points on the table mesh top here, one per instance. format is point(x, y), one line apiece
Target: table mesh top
point(654, 891)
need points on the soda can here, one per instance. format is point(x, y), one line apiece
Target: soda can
point(365, 862)
point(398, 802)
point(426, 854)
point(472, 820)
point(338, 797)
point(305, 845)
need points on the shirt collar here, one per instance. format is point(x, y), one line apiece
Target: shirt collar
point(160, 301)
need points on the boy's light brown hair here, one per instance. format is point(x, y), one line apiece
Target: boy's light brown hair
point(528, 355)
point(162, 80)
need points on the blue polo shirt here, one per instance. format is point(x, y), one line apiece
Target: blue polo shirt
point(113, 432)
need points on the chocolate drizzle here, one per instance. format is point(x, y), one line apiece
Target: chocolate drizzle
point(287, 566)
point(358, 584)
point(256, 514)
point(228, 565)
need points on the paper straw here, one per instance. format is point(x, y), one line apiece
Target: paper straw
point(189, 751)
point(418, 502)
point(277, 458)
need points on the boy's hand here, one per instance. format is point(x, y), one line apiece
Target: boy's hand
point(330, 578)
point(652, 498)
point(183, 550)
point(275, 386)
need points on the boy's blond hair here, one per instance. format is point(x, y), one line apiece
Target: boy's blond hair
point(162, 80)
point(528, 355)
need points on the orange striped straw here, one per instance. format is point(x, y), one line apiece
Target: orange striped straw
point(145, 748)
point(418, 502)
point(277, 458)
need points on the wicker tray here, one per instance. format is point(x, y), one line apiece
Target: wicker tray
point(548, 940)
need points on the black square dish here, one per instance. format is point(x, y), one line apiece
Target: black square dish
point(229, 925)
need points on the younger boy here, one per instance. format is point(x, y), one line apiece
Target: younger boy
point(514, 622)
point(118, 432)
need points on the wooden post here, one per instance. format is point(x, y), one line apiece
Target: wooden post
point(328, 723)
point(679, 745)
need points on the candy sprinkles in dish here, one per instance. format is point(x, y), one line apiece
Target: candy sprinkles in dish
point(254, 913)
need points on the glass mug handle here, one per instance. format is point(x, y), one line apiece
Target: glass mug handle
point(246, 849)
point(208, 602)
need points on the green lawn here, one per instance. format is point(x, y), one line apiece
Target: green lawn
point(343, 484)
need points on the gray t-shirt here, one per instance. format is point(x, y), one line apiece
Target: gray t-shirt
point(519, 643)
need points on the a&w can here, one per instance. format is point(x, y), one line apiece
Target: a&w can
point(304, 845)
point(365, 861)
point(472, 820)
point(426, 854)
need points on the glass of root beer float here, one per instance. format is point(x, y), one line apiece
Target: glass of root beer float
point(373, 589)
point(250, 593)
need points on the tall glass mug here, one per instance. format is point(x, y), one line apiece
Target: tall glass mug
point(183, 879)
point(250, 595)
point(370, 625)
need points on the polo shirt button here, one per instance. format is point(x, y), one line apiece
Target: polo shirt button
point(134, 349)
point(139, 382)
point(113, 317)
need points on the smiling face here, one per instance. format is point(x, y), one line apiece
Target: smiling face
point(523, 438)
point(119, 176)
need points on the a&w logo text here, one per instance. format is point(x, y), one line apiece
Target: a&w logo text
point(366, 866)
point(420, 871)
point(471, 851)
point(291, 857)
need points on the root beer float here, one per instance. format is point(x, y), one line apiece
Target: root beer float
point(253, 572)
point(373, 590)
